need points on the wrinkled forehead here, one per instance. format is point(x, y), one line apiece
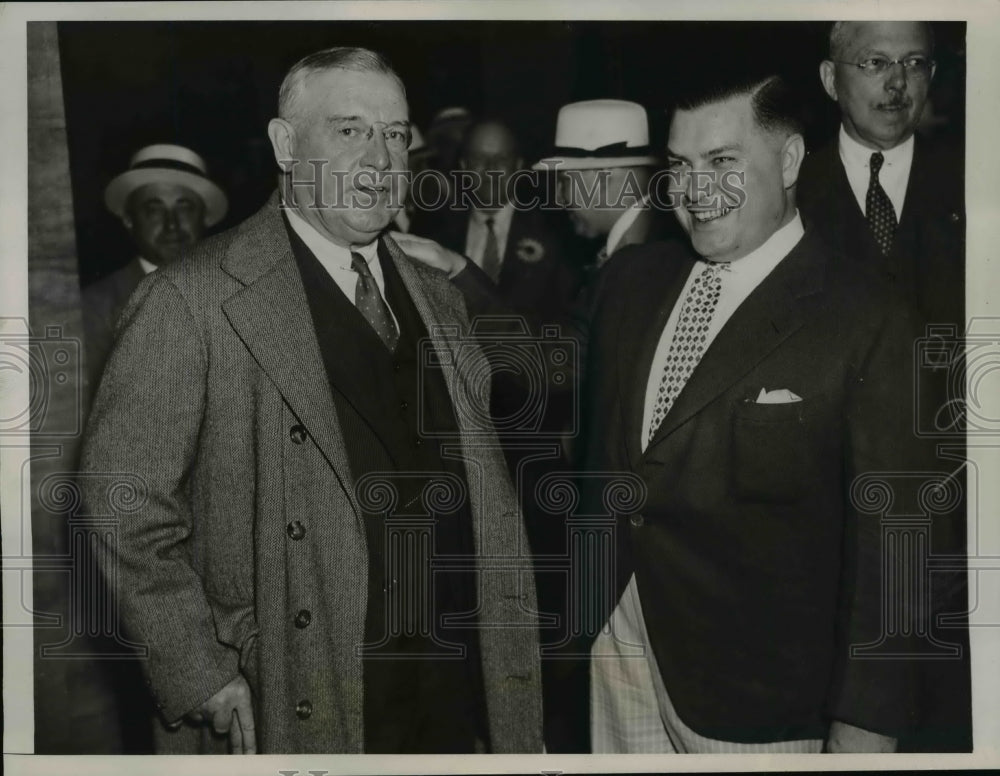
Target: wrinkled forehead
point(370, 95)
point(889, 38)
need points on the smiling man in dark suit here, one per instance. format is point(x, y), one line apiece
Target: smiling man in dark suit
point(747, 384)
point(271, 396)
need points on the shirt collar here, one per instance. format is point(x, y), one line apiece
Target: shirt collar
point(327, 251)
point(858, 156)
point(501, 218)
point(625, 220)
point(766, 257)
point(146, 264)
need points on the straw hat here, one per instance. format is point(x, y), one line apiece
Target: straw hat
point(597, 134)
point(164, 163)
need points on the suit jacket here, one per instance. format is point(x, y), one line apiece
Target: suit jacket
point(927, 265)
point(927, 260)
point(217, 408)
point(103, 302)
point(754, 569)
point(536, 276)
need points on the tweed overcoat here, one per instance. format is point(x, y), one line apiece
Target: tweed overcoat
point(216, 411)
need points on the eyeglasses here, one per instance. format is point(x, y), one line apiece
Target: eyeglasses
point(875, 66)
point(354, 134)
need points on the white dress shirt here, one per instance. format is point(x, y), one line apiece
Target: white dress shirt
point(475, 235)
point(336, 259)
point(741, 278)
point(147, 265)
point(893, 176)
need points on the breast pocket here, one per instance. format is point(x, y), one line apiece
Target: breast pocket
point(773, 451)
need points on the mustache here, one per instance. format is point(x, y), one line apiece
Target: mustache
point(896, 102)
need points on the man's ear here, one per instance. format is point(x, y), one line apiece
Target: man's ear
point(793, 151)
point(828, 77)
point(282, 135)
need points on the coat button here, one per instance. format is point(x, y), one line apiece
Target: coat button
point(298, 433)
point(303, 709)
point(295, 530)
point(403, 405)
point(303, 618)
point(637, 520)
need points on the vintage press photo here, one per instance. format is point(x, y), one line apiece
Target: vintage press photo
point(408, 387)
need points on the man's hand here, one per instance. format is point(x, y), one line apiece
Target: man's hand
point(847, 738)
point(230, 711)
point(430, 253)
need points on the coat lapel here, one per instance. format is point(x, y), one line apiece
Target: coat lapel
point(648, 306)
point(771, 314)
point(271, 316)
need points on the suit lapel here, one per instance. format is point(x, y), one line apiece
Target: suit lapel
point(767, 317)
point(271, 316)
point(647, 308)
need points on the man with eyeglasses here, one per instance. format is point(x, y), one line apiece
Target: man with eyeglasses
point(313, 501)
point(879, 194)
point(887, 198)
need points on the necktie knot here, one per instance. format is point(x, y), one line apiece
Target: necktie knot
point(359, 265)
point(875, 163)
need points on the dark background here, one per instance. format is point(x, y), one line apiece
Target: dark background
point(213, 87)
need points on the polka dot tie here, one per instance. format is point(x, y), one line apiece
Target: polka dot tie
point(688, 345)
point(878, 207)
point(370, 303)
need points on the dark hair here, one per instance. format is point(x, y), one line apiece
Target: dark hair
point(337, 58)
point(776, 106)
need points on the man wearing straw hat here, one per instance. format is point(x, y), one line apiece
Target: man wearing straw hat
point(166, 201)
point(602, 160)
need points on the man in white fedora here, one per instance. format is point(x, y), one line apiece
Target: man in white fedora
point(166, 201)
point(602, 161)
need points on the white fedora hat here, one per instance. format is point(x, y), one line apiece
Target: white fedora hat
point(596, 134)
point(164, 163)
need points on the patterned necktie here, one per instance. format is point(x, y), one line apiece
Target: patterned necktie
point(370, 303)
point(491, 253)
point(688, 345)
point(878, 207)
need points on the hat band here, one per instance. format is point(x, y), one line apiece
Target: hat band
point(604, 151)
point(168, 164)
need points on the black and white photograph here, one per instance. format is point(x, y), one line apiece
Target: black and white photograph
point(392, 386)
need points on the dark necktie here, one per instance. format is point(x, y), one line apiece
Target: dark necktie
point(491, 253)
point(878, 207)
point(370, 303)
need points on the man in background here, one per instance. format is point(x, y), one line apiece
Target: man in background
point(882, 195)
point(165, 201)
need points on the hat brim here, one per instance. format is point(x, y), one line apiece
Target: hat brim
point(592, 162)
point(118, 191)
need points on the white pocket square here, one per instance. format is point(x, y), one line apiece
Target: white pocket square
point(779, 396)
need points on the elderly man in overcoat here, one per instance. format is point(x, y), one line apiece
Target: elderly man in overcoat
point(294, 406)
